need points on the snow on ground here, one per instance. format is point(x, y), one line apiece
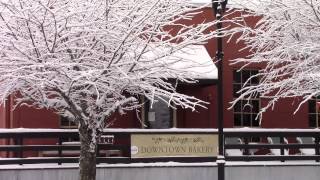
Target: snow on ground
point(162, 164)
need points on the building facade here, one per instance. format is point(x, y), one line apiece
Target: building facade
point(243, 114)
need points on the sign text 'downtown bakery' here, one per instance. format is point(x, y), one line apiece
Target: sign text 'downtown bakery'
point(166, 145)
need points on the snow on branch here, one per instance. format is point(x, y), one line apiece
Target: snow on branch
point(285, 40)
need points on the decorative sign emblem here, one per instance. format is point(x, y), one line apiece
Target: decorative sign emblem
point(174, 145)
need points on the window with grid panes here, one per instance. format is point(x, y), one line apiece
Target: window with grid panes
point(65, 123)
point(314, 112)
point(246, 110)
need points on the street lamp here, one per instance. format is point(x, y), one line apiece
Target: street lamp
point(219, 7)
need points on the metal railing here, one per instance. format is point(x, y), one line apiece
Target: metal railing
point(263, 147)
point(30, 146)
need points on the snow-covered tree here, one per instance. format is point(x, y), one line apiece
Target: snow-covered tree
point(87, 59)
point(285, 41)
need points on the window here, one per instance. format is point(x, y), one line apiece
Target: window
point(314, 112)
point(65, 123)
point(159, 115)
point(245, 111)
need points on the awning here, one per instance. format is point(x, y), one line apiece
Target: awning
point(192, 62)
point(196, 60)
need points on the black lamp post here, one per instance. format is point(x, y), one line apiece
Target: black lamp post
point(219, 7)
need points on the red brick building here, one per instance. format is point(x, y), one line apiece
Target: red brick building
point(280, 117)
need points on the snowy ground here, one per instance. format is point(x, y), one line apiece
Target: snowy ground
point(165, 164)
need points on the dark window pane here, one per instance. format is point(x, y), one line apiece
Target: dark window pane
point(245, 75)
point(255, 121)
point(255, 106)
point(312, 120)
point(312, 106)
point(237, 120)
point(247, 120)
point(254, 72)
point(72, 123)
point(236, 76)
point(236, 88)
point(247, 106)
point(237, 107)
point(159, 115)
point(64, 121)
point(255, 80)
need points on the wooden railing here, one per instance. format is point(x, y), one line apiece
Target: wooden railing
point(30, 146)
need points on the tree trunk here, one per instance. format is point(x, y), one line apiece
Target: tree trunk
point(87, 164)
